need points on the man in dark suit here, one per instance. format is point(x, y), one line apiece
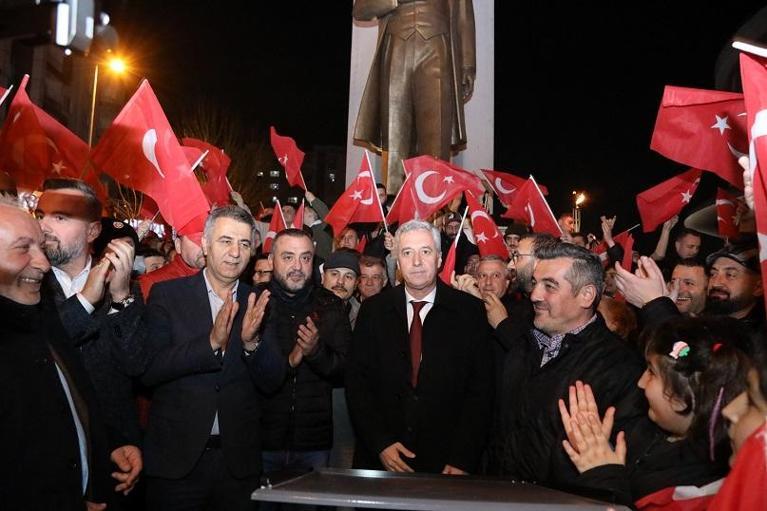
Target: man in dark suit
point(419, 383)
point(99, 314)
point(53, 449)
point(209, 357)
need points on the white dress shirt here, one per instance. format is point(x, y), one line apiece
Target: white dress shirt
point(73, 286)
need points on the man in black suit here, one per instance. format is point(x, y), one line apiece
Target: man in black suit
point(209, 357)
point(419, 382)
point(53, 450)
point(99, 314)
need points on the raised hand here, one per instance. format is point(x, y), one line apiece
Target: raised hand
point(308, 337)
point(95, 285)
point(496, 311)
point(643, 286)
point(254, 315)
point(466, 283)
point(222, 326)
point(591, 447)
point(607, 229)
point(391, 459)
point(120, 254)
point(581, 400)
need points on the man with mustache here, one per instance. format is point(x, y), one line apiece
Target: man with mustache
point(691, 278)
point(567, 341)
point(340, 276)
point(735, 284)
point(313, 334)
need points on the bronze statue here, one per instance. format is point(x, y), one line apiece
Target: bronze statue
point(422, 73)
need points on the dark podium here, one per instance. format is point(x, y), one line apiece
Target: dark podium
point(386, 490)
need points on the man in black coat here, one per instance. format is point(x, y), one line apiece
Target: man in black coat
point(567, 341)
point(53, 450)
point(209, 357)
point(314, 335)
point(420, 402)
point(97, 310)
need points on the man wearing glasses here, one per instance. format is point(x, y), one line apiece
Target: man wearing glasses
point(262, 273)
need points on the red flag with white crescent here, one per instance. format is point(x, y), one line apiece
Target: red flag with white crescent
point(753, 72)
point(298, 218)
point(431, 183)
point(505, 185)
point(448, 266)
point(139, 150)
point(290, 157)
point(529, 206)
point(664, 200)
point(488, 237)
point(215, 166)
point(726, 214)
point(358, 203)
point(704, 129)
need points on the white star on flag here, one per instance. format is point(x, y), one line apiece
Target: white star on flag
point(721, 124)
point(448, 179)
point(356, 195)
point(283, 160)
point(481, 237)
point(686, 196)
point(58, 167)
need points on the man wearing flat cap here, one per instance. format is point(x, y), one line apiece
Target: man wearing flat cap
point(340, 274)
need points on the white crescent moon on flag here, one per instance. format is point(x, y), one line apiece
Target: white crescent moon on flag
point(532, 216)
point(422, 195)
point(477, 213)
point(500, 188)
point(52, 144)
point(148, 144)
point(369, 200)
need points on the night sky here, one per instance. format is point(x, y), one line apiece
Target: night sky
point(577, 86)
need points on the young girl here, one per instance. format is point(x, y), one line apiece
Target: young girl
point(674, 458)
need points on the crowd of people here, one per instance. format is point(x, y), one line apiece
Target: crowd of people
point(174, 373)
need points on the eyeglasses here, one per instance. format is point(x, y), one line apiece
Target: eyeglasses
point(516, 255)
point(263, 272)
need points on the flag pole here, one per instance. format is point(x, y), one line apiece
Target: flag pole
point(399, 192)
point(375, 192)
point(199, 160)
point(632, 228)
point(460, 227)
point(6, 94)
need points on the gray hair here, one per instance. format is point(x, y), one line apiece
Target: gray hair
point(418, 225)
point(233, 212)
point(11, 201)
point(586, 269)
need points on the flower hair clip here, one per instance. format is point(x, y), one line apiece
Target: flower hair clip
point(680, 350)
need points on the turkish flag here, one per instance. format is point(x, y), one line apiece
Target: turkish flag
point(754, 76)
point(449, 265)
point(358, 203)
point(530, 206)
point(4, 93)
point(139, 150)
point(504, 185)
point(430, 184)
point(362, 243)
point(726, 206)
point(626, 241)
point(276, 226)
point(486, 233)
point(215, 166)
point(290, 157)
point(662, 201)
point(704, 129)
point(34, 146)
point(743, 488)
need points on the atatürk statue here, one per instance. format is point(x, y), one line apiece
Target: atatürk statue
point(422, 73)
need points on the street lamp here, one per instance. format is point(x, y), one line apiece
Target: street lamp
point(118, 66)
point(578, 200)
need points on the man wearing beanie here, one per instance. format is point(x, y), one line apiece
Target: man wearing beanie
point(313, 334)
point(340, 274)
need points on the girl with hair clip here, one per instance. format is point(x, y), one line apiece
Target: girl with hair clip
point(745, 487)
point(676, 456)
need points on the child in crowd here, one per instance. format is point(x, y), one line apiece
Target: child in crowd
point(676, 457)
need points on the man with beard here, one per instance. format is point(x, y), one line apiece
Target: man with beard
point(735, 285)
point(97, 309)
point(54, 446)
point(340, 276)
point(313, 334)
point(690, 277)
point(210, 356)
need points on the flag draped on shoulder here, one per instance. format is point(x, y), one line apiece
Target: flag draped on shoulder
point(664, 200)
point(358, 203)
point(704, 129)
point(430, 184)
point(35, 146)
point(139, 150)
point(290, 157)
point(529, 206)
point(488, 237)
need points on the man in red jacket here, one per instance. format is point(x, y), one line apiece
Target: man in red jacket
point(188, 261)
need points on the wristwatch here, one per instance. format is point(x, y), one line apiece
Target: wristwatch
point(122, 304)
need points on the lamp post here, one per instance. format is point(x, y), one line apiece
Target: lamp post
point(578, 200)
point(117, 65)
